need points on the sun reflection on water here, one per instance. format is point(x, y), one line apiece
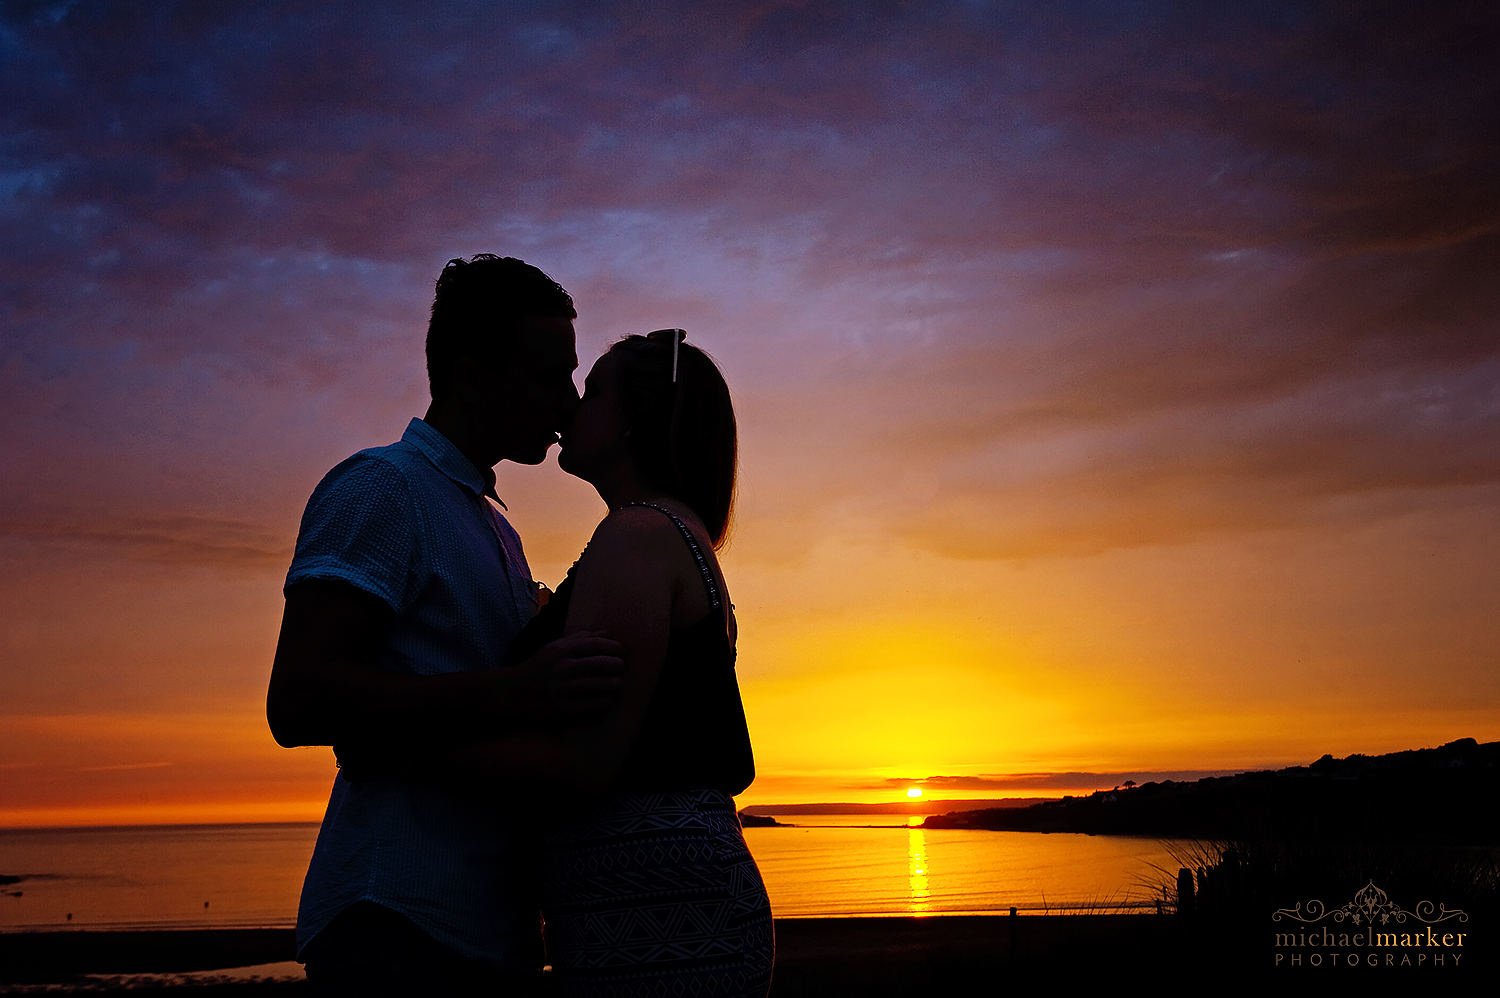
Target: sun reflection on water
point(916, 866)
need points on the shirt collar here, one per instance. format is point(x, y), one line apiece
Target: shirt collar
point(449, 459)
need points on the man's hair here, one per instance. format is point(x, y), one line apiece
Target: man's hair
point(476, 309)
point(682, 434)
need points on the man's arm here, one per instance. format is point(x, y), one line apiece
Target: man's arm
point(327, 687)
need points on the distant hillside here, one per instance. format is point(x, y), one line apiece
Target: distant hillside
point(1449, 794)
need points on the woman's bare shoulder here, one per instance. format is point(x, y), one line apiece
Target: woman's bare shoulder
point(633, 526)
point(633, 542)
point(638, 555)
point(628, 578)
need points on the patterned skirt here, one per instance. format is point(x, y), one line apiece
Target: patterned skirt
point(655, 894)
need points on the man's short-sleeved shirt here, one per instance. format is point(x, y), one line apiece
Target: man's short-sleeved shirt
point(412, 524)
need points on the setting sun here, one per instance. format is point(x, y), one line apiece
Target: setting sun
point(914, 792)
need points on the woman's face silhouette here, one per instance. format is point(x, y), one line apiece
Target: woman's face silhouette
point(594, 444)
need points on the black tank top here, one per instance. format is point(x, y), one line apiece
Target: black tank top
point(694, 732)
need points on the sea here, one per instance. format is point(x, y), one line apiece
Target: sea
point(243, 876)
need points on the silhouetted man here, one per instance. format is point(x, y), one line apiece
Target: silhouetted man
point(406, 588)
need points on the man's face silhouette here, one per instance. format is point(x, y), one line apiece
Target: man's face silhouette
point(515, 413)
point(535, 395)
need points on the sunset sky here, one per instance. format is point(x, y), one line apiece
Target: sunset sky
point(1119, 384)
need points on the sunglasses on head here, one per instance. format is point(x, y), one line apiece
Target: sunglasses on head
point(676, 336)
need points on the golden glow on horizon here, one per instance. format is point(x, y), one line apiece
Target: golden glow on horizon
point(843, 697)
point(150, 769)
point(1051, 666)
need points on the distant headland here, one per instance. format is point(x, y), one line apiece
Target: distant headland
point(1449, 794)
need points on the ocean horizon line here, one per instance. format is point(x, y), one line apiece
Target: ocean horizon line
point(904, 807)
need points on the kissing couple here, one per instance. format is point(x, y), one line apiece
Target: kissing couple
point(511, 761)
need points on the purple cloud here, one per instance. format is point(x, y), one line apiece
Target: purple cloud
point(1063, 262)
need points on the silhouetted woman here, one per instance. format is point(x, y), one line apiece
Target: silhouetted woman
point(647, 887)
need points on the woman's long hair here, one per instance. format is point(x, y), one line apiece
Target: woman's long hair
point(682, 434)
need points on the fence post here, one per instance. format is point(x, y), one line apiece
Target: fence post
point(1185, 892)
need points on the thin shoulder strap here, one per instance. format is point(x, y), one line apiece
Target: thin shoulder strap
point(692, 542)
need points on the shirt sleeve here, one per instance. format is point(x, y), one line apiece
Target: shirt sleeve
point(360, 527)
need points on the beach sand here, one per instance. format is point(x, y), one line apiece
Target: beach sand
point(907, 957)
